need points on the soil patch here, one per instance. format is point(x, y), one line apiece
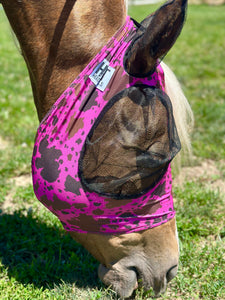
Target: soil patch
point(208, 173)
point(3, 144)
point(20, 181)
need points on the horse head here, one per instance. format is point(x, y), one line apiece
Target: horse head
point(147, 257)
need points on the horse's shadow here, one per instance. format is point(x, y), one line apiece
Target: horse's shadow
point(44, 256)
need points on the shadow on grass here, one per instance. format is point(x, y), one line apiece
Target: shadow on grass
point(37, 254)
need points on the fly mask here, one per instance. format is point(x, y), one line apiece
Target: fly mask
point(101, 160)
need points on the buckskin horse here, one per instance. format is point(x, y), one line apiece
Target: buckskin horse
point(102, 153)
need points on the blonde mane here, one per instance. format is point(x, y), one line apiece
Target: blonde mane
point(126, 3)
point(183, 115)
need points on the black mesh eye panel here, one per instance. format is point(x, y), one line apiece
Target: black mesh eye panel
point(130, 145)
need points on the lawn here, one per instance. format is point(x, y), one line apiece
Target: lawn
point(38, 260)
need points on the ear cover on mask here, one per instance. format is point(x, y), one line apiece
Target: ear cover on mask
point(154, 38)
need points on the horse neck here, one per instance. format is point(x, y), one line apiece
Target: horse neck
point(59, 38)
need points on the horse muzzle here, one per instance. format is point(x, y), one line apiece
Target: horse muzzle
point(127, 275)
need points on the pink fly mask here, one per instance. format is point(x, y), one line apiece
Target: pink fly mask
point(101, 160)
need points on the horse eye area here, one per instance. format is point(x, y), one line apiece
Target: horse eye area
point(171, 273)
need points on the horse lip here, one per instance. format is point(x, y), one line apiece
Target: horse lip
point(136, 286)
point(113, 276)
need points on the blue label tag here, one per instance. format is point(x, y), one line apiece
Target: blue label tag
point(102, 75)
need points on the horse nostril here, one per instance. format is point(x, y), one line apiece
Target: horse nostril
point(137, 275)
point(135, 271)
point(171, 273)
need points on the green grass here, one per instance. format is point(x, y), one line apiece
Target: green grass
point(38, 260)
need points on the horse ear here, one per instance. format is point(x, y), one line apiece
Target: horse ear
point(155, 37)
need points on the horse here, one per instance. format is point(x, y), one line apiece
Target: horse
point(58, 40)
